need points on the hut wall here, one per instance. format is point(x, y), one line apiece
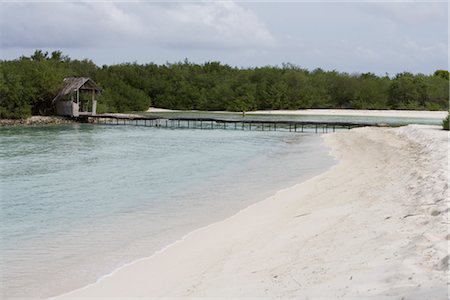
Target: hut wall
point(66, 108)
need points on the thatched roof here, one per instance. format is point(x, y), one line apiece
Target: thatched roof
point(73, 84)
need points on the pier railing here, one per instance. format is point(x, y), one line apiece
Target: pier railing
point(214, 123)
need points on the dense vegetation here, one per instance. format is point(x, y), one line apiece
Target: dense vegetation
point(445, 123)
point(28, 85)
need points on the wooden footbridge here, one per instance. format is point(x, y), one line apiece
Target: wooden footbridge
point(215, 123)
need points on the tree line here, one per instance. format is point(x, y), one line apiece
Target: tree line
point(28, 85)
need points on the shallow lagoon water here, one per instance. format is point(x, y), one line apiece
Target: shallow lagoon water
point(80, 200)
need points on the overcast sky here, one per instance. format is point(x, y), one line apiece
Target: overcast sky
point(346, 36)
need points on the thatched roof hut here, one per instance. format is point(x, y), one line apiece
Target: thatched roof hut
point(68, 102)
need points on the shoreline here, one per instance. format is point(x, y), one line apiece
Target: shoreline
point(360, 113)
point(234, 242)
point(57, 120)
point(328, 112)
point(38, 120)
point(187, 235)
point(192, 208)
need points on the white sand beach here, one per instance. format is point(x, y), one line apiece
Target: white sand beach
point(155, 109)
point(357, 112)
point(334, 112)
point(374, 226)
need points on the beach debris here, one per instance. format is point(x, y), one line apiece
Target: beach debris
point(409, 215)
point(302, 215)
point(443, 263)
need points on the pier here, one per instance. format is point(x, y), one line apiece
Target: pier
point(225, 124)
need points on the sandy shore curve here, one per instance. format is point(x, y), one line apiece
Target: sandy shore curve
point(373, 226)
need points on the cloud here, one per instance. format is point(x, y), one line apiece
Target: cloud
point(408, 13)
point(377, 37)
point(220, 24)
point(202, 25)
point(350, 36)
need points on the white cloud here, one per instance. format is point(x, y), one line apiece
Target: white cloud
point(203, 25)
point(222, 24)
point(347, 36)
point(408, 13)
point(367, 53)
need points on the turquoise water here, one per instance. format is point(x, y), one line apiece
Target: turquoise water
point(80, 200)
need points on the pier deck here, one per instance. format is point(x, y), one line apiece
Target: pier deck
point(216, 123)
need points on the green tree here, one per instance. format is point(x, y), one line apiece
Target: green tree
point(403, 92)
point(13, 97)
point(442, 73)
point(28, 85)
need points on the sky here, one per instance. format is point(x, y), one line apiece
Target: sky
point(353, 36)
